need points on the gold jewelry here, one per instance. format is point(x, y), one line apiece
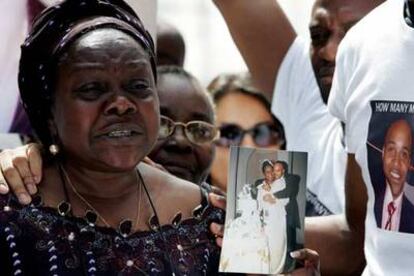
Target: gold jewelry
point(89, 205)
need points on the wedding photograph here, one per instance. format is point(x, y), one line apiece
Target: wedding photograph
point(265, 210)
point(194, 138)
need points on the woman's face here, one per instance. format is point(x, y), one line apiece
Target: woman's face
point(183, 101)
point(246, 112)
point(268, 174)
point(106, 106)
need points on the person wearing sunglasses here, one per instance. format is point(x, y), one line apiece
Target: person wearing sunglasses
point(244, 118)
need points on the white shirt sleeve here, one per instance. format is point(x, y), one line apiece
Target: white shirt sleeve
point(309, 127)
point(297, 101)
point(294, 78)
point(337, 98)
point(341, 92)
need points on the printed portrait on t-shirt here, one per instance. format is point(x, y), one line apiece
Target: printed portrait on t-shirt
point(390, 159)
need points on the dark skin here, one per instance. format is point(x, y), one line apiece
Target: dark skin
point(339, 239)
point(396, 156)
point(263, 35)
point(278, 170)
point(268, 174)
point(176, 153)
point(106, 89)
point(330, 20)
point(115, 198)
point(411, 5)
point(170, 45)
point(106, 109)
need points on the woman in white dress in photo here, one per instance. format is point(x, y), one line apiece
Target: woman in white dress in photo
point(273, 216)
point(245, 245)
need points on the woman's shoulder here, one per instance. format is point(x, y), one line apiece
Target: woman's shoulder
point(159, 179)
point(171, 194)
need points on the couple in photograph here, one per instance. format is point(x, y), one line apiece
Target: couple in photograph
point(263, 231)
point(276, 200)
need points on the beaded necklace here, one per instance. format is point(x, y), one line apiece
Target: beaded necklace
point(125, 224)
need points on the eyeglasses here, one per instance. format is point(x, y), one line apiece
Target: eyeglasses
point(197, 132)
point(263, 134)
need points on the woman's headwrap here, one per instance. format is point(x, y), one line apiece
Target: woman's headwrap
point(52, 33)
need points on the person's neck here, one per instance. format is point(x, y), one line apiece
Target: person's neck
point(395, 194)
point(101, 185)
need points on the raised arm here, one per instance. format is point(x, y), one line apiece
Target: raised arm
point(339, 239)
point(263, 35)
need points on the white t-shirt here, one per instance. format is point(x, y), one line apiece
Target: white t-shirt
point(309, 127)
point(373, 88)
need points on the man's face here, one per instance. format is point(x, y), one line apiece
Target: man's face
point(330, 20)
point(396, 155)
point(278, 170)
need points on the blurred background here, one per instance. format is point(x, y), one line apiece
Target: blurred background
point(210, 49)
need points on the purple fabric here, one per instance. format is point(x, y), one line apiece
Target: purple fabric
point(37, 240)
point(34, 7)
point(20, 122)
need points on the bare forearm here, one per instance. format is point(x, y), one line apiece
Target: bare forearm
point(340, 250)
point(263, 35)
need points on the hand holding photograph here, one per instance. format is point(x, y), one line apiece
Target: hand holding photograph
point(265, 211)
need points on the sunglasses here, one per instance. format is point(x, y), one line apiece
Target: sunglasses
point(263, 134)
point(197, 132)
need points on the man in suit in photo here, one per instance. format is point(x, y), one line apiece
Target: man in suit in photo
point(393, 210)
point(292, 209)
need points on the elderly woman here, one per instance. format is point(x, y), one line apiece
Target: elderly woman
point(87, 81)
point(184, 146)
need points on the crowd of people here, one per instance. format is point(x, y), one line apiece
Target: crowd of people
point(121, 131)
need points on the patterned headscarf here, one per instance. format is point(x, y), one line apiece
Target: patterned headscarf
point(52, 33)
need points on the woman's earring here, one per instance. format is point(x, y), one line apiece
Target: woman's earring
point(54, 149)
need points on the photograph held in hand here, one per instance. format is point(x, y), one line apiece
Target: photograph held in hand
point(265, 211)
